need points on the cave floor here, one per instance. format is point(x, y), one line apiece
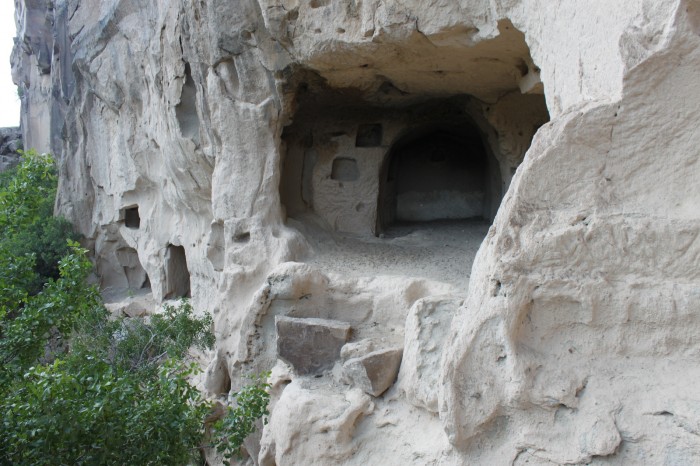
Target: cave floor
point(440, 250)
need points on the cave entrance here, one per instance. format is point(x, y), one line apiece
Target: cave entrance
point(177, 276)
point(131, 217)
point(396, 156)
point(437, 173)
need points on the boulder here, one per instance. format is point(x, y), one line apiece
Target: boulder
point(375, 372)
point(427, 323)
point(310, 345)
point(10, 144)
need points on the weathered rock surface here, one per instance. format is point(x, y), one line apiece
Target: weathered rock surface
point(313, 426)
point(10, 143)
point(374, 372)
point(251, 138)
point(310, 345)
point(138, 304)
point(427, 323)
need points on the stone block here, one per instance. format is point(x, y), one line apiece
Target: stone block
point(310, 345)
point(375, 372)
point(427, 323)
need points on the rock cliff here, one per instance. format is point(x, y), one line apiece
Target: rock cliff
point(460, 232)
point(10, 144)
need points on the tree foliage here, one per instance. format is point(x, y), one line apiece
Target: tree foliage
point(240, 421)
point(78, 386)
point(93, 405)
point(29, 230)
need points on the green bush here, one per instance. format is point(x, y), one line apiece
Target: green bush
point(32, 323)
point(117, 395)
point(92, 414)
point(78, 386)
point(141, 345)
point(27, 192)
point(41, 297)
point(27, 225)
point(239, 422)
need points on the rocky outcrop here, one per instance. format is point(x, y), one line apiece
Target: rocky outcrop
point(427, 323)
point(10, 144)
point(310, 345)
point(281, 158)
point(374, 372)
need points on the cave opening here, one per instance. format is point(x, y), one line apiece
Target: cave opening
point(177, 275)
point(401, 166)
point(439, 172)
point(131, 216)
point(186, 109)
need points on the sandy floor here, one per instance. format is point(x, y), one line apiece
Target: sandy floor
point(441, 250)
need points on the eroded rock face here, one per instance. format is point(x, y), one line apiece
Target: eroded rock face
point(310, 345)
point(374, 372)
point(427, 323)
point(206, 146)
point(10, 143)
point(313, 426)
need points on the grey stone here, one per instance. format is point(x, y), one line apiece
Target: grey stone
point(375, 372)
point(10, 144)
point(232, 44)
point(310, 345)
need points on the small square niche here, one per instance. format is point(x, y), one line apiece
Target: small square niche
point(345, 169)
point(132, 219)
point(369, 135)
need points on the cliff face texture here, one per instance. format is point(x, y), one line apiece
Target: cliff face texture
point(10, 143)
point(320, 174)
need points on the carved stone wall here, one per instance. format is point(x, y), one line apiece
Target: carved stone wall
point(232, 126)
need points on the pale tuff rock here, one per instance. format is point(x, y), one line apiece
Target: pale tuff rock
point(311, 346)
point(279, 158)
point(356, 349)
point(217, 381)
point(374, 372)
point(313, 426)
point(427, 323)
point(138, 304)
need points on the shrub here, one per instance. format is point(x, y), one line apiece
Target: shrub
point(240, 421)
point(30, 322)
point(119, 393)
point(27, 226)
point(76, 385)
point(90, 413)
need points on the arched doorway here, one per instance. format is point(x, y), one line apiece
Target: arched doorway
point(440, 172)
point(177, 275)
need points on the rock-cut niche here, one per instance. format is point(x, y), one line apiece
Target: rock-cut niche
point(439, 172)
point(376, 143)
point(177, 275)
point(131, 217)
point(186, 109)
